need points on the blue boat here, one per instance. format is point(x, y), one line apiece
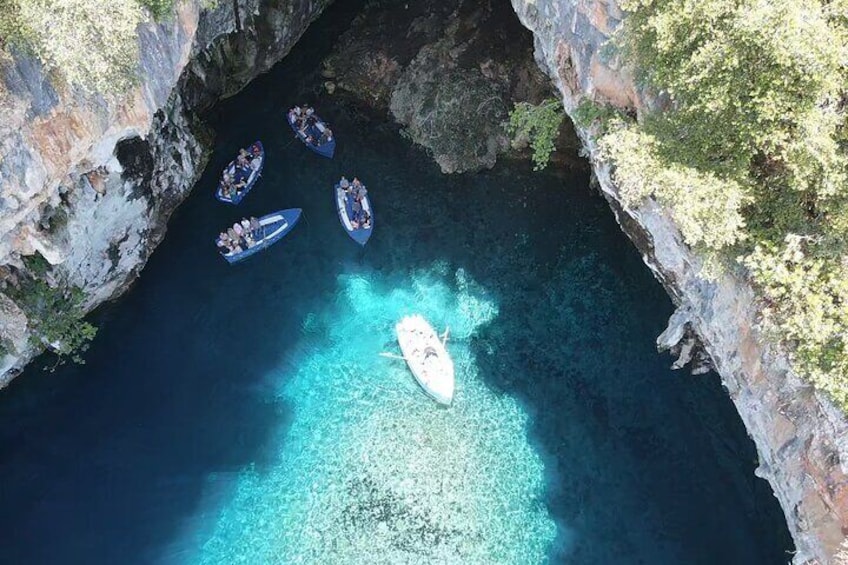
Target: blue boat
point(274, 227)
point(344, 204)
point(314, 135)
point(256, 172)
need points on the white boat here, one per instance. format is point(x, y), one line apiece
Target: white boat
point(427, 357)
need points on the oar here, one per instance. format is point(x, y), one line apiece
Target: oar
point(392, 356)
point(445, 336)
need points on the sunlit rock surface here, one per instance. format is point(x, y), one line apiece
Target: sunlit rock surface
point(801, 437)
point(89, 181)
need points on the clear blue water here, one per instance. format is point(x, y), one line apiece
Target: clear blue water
point(242, 414)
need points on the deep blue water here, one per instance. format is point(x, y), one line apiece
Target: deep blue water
point(242, 413)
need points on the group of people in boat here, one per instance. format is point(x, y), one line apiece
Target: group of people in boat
point(355, 191)
point(237, 174)
point(240, 236)
point(304, 119)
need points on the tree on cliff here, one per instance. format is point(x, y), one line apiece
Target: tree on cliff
point(750, 154)
point(539, 125)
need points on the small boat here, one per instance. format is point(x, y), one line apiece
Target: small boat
point(251, 180)
point(344, 204)
point(274, 227)
point(312, 135)
point(427, 357)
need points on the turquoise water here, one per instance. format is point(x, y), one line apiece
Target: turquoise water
point(243, 414)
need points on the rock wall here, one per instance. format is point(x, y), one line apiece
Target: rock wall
point(448, 72)
point(89, 181)
point(802, 439)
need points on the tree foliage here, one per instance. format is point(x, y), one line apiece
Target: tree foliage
point(91, 43)
point(749, 153)
point(55, 316)
point(540, 125)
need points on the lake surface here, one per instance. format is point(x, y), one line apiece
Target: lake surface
point(242, 414)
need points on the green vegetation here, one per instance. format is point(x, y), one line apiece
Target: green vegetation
point(90, 43)
point(36, 264)
point(749, 154)
point(540, 124)
point(588, 112)
point(55, 317)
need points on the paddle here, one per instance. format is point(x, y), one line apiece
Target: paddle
point(392, 356)
point(445, 335)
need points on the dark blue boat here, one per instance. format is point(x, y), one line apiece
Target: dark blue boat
point(317, 136)
point(344, 204)
point(251, 180)
point(274, 227)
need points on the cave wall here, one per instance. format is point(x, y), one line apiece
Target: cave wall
point(801, 438)
point(89, 181)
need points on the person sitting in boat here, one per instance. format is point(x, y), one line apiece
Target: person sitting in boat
point(255, 157)
point(255, 228)
point(365, 220)
point(326, 136)
point(358, 190)
point(242, 162)
point(295, 115)
point(241, 177)
point(239, 185)
point(344, 184)
point(248, 232)
point(224, 243)
point(234, 240)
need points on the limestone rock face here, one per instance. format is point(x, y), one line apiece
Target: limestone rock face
point(447, 71)
point(802, 439)
point(89, 181)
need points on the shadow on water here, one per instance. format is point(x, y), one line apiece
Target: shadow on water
point(109, 462)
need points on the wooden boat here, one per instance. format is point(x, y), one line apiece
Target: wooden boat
point(251, 180)
point(312, 135)
point(274, 227)
point(344, 205)
point(427, 357)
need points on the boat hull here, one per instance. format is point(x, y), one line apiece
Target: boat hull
point(327, 149)
point(276, 226)
point(426, 357)
point(344, 206)
point(254, 176)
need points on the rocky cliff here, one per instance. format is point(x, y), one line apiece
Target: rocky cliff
point(801, 438)
point(88, 181)
point(448, 72)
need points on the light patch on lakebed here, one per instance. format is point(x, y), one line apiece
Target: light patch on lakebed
point(371, 470)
